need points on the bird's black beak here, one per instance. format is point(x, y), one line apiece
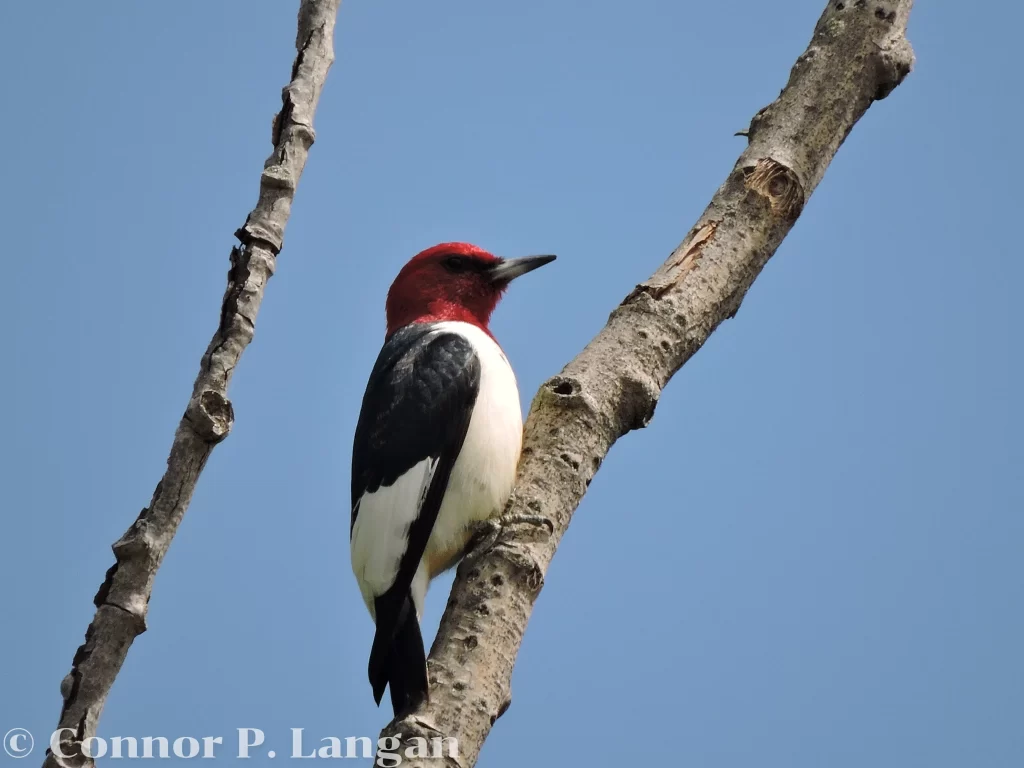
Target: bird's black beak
point(509, 269)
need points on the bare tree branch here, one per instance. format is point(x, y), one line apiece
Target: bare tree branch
point(858, 55)
point(122, 600)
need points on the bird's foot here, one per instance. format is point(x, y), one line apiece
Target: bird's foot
point(537, 521)
point(485, 535)
point(487, 532)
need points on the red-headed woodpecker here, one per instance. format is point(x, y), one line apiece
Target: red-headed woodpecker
point(436, 447)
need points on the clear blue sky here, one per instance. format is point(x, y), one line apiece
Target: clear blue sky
point(812, 557)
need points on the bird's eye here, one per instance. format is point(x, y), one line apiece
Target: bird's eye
point(456, 264)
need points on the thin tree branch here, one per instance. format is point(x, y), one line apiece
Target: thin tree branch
point(123, 597)
point(858, 55)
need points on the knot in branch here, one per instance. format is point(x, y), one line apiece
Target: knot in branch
point(779, 184)
point(211, 415)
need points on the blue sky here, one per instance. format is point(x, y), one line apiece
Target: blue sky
point(811, 557)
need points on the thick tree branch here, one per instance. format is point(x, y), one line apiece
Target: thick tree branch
point(123, 597)
point(858, 54)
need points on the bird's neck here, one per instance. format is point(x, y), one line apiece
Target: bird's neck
point(438, 311)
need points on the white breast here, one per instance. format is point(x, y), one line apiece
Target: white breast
point(482, 478)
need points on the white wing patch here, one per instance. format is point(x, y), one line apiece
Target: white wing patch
point(380, 533)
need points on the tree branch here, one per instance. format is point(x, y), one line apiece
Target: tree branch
point(858, 55)
point(122, 599)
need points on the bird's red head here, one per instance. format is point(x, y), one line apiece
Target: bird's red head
point(453, 281)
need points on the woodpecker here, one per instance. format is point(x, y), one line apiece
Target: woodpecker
point(435, 450)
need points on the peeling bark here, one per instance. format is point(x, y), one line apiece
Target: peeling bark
point(123, 598)
point(857, 55)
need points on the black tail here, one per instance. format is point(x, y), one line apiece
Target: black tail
point(397, 657)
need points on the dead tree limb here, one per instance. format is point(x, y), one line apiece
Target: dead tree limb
point(858, 54)
point(122, 600)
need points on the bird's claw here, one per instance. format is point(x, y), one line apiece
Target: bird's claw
point(532, 520)
point(487, 532)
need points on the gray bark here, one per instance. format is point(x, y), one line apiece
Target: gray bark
point(858, 54)
point(123, 597)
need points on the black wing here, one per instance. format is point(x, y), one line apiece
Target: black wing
point(417, 404)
